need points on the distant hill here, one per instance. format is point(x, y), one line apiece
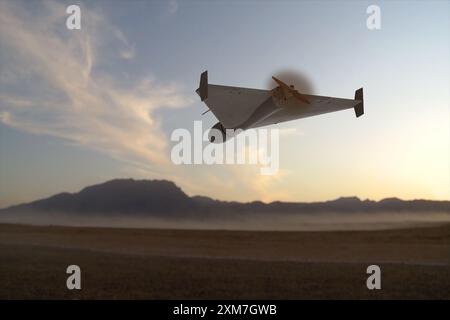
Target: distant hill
point(164, 198)
point(117, 196)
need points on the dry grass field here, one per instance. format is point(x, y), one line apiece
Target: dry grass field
point(193, 264)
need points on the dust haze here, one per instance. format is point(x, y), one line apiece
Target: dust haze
point(327, 221)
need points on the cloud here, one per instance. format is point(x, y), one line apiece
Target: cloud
point(53, 88)
point(127, 51)
point(58, 82)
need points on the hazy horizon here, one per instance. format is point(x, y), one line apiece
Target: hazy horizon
point(322, 221)
point(214, 198)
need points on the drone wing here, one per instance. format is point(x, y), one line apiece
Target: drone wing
point(235, 107)
point(318, 105)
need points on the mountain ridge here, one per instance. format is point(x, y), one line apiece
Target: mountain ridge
point(165, 198)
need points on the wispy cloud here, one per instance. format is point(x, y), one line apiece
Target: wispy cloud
point(52, 87)
point(127, 51)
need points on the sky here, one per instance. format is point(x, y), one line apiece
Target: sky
point(80, 107)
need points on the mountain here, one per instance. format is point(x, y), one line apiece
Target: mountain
point(164, 198)
point(117, 196)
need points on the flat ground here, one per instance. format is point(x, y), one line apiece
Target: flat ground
point(190, 264)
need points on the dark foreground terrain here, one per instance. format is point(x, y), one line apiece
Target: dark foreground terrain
point(181, 264)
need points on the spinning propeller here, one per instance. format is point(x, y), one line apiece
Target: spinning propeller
point(290, 90)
